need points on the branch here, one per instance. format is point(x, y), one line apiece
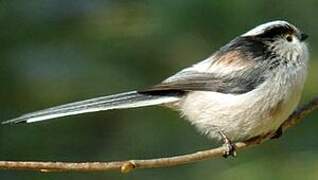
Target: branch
point(127, 166)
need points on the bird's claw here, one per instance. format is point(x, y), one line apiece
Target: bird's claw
point(278, 133)
point(229, 147)
point(230, 150)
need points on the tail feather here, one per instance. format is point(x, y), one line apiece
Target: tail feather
point(131, 99)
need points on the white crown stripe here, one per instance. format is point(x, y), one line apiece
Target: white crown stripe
point(261, 28)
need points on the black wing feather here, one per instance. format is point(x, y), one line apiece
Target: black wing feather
point(199, 81)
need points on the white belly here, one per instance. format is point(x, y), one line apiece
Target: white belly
point(247, 115)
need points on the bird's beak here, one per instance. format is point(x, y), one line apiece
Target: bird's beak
point(303, 36)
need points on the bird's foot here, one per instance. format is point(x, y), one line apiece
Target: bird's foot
point(229, 146)
point(278, 133)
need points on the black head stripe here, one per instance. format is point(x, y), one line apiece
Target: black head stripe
point(249, 46)
point(275, 31)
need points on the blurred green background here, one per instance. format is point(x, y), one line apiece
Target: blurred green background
point(56, 51)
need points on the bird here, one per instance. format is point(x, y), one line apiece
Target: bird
point(246, 89)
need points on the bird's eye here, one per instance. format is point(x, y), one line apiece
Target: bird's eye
point(289, 38)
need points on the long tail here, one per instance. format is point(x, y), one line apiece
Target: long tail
point(131, 99)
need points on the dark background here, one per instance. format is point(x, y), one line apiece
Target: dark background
point(57, 51)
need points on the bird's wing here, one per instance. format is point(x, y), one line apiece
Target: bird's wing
point(229, 71)
point(234, 83)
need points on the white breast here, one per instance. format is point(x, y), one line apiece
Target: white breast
point(247, 115)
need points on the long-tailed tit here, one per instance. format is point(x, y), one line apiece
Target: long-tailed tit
point(244, 90)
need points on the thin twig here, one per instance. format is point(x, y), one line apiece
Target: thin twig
point(127, 166)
